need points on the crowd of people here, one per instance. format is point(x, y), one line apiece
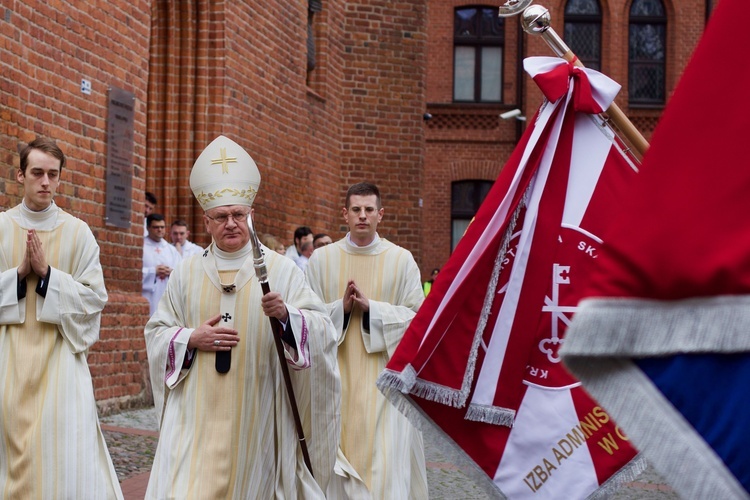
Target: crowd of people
point(160, 257)
point(339, 308)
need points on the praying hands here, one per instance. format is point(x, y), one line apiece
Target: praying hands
point(353, 295)
point(33, 258)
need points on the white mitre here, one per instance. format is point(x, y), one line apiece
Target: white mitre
point(224, 174)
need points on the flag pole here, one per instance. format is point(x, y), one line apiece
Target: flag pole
point(535, 20)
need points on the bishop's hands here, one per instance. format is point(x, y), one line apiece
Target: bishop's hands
point(274, 307)
point(352, 296)
point(33, 258)
point(212, 338)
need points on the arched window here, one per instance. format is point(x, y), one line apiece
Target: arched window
point(583, 31)
point(647, 50)
point(478, 39)
point(466, 196)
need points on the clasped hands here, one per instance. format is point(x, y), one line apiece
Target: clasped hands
point(163, 271)
point(33, 258)
point(352, 296)
point(205, 337)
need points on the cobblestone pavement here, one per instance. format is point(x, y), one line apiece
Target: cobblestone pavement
point(132, 451)
point(131, 454)
point(131, 437)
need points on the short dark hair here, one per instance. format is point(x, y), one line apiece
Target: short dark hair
point(150, 197)
point(45, 145)
point(363, 189)
point(179, 222)
point(318, 236)
point(152, 217)
point(301, 232)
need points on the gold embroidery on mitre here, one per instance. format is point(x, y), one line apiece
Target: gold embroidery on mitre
point(224, 160)
point(205, 198)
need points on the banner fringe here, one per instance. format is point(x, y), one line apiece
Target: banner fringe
point(628, 473)
point(488, 299)
point(615, 326)
point(491, 415)
point(450, 450)
point(392, 380)
point(406, 383)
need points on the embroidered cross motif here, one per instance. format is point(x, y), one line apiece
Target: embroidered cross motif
point(224, 160)
point(228, 288)
point(226, 317)
point(205, 254)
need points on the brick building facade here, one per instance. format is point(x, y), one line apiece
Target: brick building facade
point(468, 141)
point(200, 68)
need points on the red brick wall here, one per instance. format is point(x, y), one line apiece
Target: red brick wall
point(383, 88)
point(308, 145)
point(291, 129)
point(47, 49)
point(243, 74)
point(464, 141)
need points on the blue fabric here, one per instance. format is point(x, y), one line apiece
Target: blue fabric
point(711, 391)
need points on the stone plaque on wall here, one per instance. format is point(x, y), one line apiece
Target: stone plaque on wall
point(121, 106)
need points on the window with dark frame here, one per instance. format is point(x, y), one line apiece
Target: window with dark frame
point(466, 197)
point(583, 31)
point(313, 7)
point(478, 40)
point(647, 48)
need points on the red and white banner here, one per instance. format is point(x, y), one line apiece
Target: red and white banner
point(661, 335)
point(480, 360)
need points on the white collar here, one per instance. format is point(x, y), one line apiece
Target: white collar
point(372, 244)
point(42, 220)
point(230, 261)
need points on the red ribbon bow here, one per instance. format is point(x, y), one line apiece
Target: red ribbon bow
point(556, 82)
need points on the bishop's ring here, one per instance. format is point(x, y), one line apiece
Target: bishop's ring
point(217, 342)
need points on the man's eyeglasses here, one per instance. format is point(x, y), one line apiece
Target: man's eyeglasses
point(223, 218)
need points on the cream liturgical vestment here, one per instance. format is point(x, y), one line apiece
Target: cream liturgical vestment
point(232, 435)
point(51, 445)
point(379, 442)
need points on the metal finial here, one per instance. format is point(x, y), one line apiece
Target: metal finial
point(512, 7)
point(259, 262)
point(535, 20)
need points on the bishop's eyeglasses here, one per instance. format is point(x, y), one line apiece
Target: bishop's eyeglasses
point(223, 218)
